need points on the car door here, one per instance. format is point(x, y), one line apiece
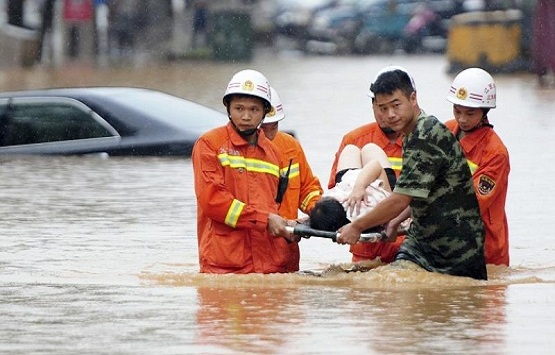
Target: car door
point(52, 125)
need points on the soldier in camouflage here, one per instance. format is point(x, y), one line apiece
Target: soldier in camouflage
point(435, 188)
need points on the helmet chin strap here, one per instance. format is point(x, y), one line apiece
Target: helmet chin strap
point(248, 132)
point(387, 130)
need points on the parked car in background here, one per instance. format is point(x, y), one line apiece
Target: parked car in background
point(334, 29)
point(381, 26)
point(292, 17)
point(111, 120)
point(410, 25)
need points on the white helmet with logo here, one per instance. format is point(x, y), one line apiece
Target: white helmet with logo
point(276, 114)
point(249, 82)
point(473, 87)
point(388, 69)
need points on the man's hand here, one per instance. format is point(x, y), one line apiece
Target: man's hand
point(391, 231)
point(276, 228)
point(349, 234)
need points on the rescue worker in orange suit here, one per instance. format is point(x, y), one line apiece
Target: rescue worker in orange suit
point(391, 142)
point(473, 94)
point(303, 189)
point(236, 170)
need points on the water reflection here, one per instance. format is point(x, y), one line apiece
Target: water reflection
point(254, 320)
point(435, 321)
point(416, 321)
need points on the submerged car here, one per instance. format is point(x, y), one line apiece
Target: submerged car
point(110, 120)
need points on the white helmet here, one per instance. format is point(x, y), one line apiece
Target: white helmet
point(473, 87)
point(249, 82)
point(388, 69)
point(276, 114)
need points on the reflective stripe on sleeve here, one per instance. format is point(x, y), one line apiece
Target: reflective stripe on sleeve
point(234, 212)
point(396, 163)
point(307, 199)
point(473, 166)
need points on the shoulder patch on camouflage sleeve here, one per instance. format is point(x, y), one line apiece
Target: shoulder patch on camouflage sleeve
point(485, 185)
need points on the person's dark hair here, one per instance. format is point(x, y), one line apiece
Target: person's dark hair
point(390, 81)
point(328, 214)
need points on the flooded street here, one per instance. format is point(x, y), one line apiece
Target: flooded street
point(99, 255)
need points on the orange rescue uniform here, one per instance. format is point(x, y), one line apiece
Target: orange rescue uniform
point(236, 184)
point(372, 133)
point(488, 160)
point(303, 191)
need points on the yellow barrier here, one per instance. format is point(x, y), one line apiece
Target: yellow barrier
point(485, 39)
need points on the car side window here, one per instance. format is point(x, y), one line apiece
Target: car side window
point(33, 122)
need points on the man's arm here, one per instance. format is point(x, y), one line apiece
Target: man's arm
point(393, 225)
point(389, 208)
point(367, 175)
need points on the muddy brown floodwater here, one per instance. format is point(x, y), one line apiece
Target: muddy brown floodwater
point(98, 255)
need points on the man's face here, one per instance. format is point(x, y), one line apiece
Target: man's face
point(246, 112)
point(380, 118)
point(467, 117)
point(397, 110)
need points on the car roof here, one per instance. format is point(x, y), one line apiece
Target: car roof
point(115, 102)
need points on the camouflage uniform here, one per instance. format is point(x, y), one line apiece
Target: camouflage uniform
point(447, 233)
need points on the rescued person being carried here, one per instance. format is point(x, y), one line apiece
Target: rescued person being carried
point(364, 178)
